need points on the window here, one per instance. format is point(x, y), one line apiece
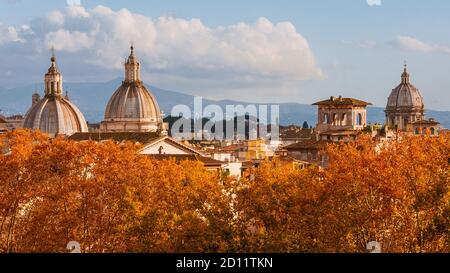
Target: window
point(405, 122)
point(417, 131)
point(432, 130)
point(326, 119)
point(335, 119)
point(359, 120)
point(344, 119)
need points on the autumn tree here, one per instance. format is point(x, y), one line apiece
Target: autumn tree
point(107, 197)
point(110, 198)
point(396, 193)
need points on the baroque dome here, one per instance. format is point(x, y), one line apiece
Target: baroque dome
point(132, 107)
point(132, 101)
point(405, 96)
point(54, 114)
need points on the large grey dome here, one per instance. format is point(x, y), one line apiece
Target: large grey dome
point(405, 95)
point(54, 114)
point(405, 105)
point(132, 108)
point(133, 101)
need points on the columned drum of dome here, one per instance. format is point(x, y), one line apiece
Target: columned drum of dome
point(132, 108)
point(405, 104)
point(54, 114)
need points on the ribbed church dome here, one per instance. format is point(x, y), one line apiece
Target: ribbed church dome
point(54, 114)
point(132, 107)
point(133, 100)
point(405, 96)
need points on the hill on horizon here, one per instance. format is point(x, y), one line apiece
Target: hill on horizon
point(92, 98)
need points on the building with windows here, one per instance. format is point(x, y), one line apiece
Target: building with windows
point(423, 127)
point(341, 118)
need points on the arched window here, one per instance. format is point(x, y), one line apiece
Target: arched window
point(359, 120)
point(417, 131)
point(335, 119)
point(432, 130)
point(326, 119)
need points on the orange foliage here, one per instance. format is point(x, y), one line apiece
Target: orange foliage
point(110, 199)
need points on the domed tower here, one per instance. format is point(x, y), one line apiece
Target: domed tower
point(405, 104)
point(132, 108)
point(54, 114)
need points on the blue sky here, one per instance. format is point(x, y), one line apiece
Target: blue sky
point(352, 49)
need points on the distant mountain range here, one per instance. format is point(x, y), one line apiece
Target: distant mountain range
point(92, 98)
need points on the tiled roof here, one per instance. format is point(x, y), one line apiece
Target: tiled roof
point(140, 137)
point(293, 134)
point(230, 148)
point(340, 132)
point(425, 122)
point(307, 144)
point(207, 161)
point(342, 101)
point(289, 159)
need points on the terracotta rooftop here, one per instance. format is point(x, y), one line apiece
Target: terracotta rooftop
point(340, 132)
point(295, 134)
point(230, 148)
point(307, 145)
point(207, 161)
point(425, 122)
point(289, 159)
point(343, 101)
point(140, 137)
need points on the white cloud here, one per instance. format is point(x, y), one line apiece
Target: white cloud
point(70, 41)
point(413, 44)
point(373, 2)
point(185, 51)
point(77, 11)
point(73, 2)
point(9, 34)
point(56, 17)
point(368, 44)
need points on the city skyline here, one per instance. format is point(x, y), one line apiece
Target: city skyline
point(295, 53)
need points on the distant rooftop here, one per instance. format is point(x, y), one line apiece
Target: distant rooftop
point(342, 101)
point(140, 137)
point(426, 122)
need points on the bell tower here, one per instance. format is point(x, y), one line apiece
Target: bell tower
point(53, 79)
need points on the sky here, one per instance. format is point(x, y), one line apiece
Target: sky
point(252, 50)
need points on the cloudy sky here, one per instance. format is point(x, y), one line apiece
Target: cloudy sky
point(252, 50)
